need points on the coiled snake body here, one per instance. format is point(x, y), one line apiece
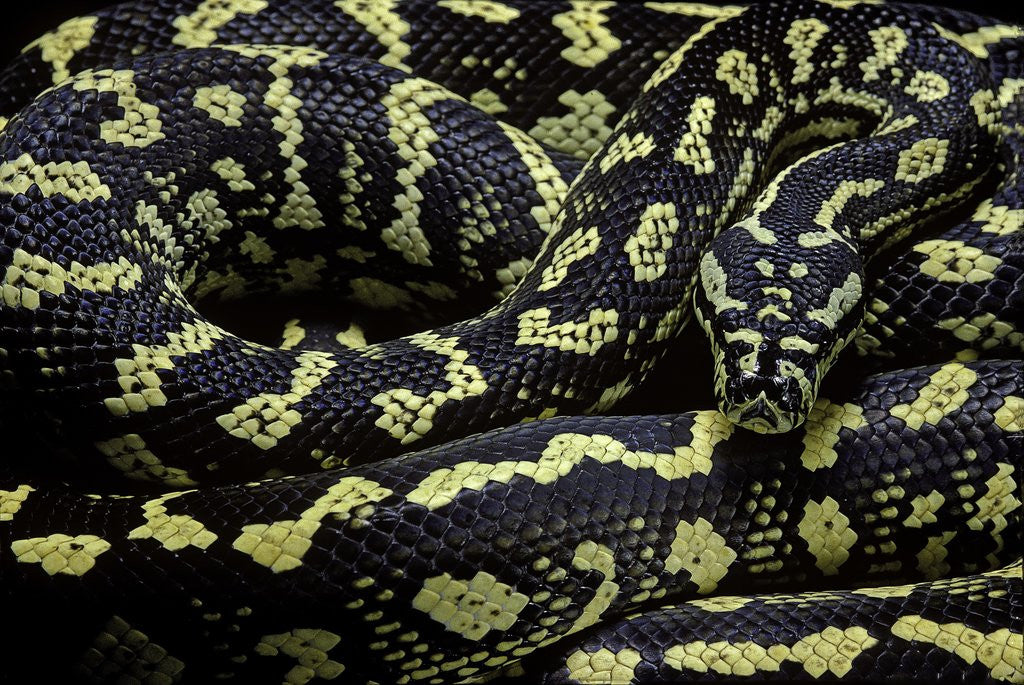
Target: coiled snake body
point(806, 176)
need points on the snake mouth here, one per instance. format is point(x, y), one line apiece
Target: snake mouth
point(761, 416)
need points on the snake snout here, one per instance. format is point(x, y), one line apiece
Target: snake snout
point(763, 403)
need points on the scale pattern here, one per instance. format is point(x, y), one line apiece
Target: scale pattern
point(466, 557)
point(803, 176)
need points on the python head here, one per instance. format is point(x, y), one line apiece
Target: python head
point(775, 326)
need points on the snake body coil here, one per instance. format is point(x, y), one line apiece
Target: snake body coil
point(805, 176)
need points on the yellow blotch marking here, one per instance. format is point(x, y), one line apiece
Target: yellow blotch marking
point(157, 240)
point(899, 218)
point(804, 35)
point(301, 275)
point(693, 147)
point(351, 213)
point(831, 651)
point(488, 10)
point(175, 531)
point(586, 337)
point(292, 335)
point(996, 333)
point(60, 553)
point(998, 219)
point(701, 552)
point(73, 180)
point(3, 123)
point(798, 270)
point(234, 173)
point(433, 290)
point(625, 148)
point(509, 276)
point(221, 103)
point(582, 243)
point(310, 647)
point(281, 545)
point(412, 133)
point(121, 650)
point(843, 193)
point(566, 451)
point(356, 254)
point(583, 130)
point(922, 159)
point(837, 93)
point(694, 9)
point(470, 608)
point(889, 43)
point(951, 261)
point(924, 508)
point(997, 502)
point(592, 42)
point(299, 208)
point(377, 294)
point(752, 223)
point(1010, 416)
point(927, 86)
point(140, 125)
point(591, 556)
point(988, 110)
point(721, 603)
point(898, 124)
point(380, 19)
point(978, 41)
point(488, 101)
point(840, 302)
point(715, 283)
point(199, 29)
point(604, 665)
point(407, 417)
point(773, 117)
point(999, 651)
point(945, 392)
point(129, 454)
point(740, 75)
point(828, 534)
point(11, 501)
point(137, 375)
point(58, 47)
point(822, 430)
point(269, 417)
point(931, 560)
point(671, 65)
point(28, 275)
point(826, 127)
point(257, 248)
point(648, 247)
point(352, 337)
point(547, 180)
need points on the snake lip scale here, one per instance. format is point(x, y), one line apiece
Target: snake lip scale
point(560, 197)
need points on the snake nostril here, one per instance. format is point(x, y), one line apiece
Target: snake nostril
point(781, 391)
point(749, 386)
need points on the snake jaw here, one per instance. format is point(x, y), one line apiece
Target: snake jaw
point(764, 403)
point(760, 416)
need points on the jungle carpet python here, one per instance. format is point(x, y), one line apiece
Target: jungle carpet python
point(814, 183)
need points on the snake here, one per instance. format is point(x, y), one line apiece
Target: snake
point(558, 189)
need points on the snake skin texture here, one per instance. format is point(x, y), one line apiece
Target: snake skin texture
point(557, 189)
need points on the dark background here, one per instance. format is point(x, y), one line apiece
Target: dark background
point(21, 21)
